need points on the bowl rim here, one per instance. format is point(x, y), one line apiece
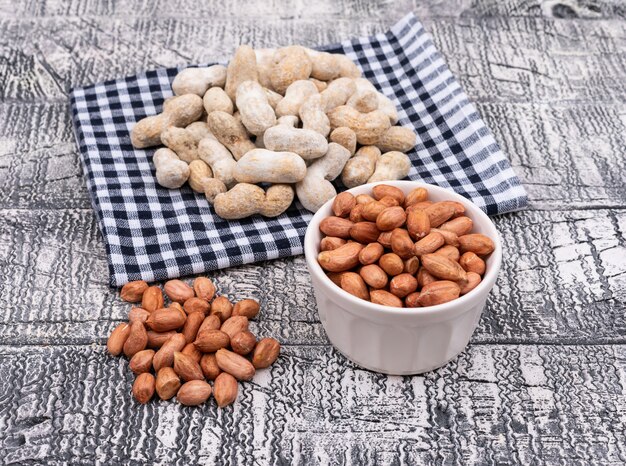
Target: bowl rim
point(460, 304)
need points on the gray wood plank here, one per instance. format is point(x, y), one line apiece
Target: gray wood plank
point(328, 9)
point(563, 280)
point(496, 59)
point(494, 404)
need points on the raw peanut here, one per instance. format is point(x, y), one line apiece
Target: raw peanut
point(166, 319)
point(178, 291)
point(193, 393)
point(167, 383)
point(158, 339)
point(234, 325)
point(243, 342)
point(448, 251)
point(141, 361)
point(381, 190)
point(196, 305)
point(390, 218)
point(152, 299)
point(415, 196)
point(343, 204)
point(412, 299)
point(209, 366)
point(371, 253)
point(449, 237)
point(186, 368)
point(391, 263)
point(192, 325)
point(265, 353)
point(193, 352)
point(210, 323)
point(429, 244)
point(143, 387)
point(204, 288)
point(210, 341)
point(459, 225)
point(165, 356)
point(438, 293)
point(389, 201)
point(424, 277)
point(177, 307)
point(222, 308)
point(356, 214)
point(472, 263)
point(401, 243)
point(423, 205)
point(364, 199)
point(246, 307)
point(364, 232)
point(137, 339)
point(402, 285)
point(385, 239)
point(444, 268)
point(417, 223)
point(353, 283)
point(335, 278)
point(341, 259)
point(374, 276)
point(329, 243)
point(336, 226)
point(137, 313)
point(132, 292)
point(225, 389)
point(440, 212)
point(118, 337)
point(477, 243)
point(411, 265)
point(236, 365)
point(371, 210)
point(473, 279)
point(459, 209)
point(385, 298)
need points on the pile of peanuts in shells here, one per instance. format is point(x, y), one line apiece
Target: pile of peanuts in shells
point(291, 118)
point(198, 337)
point(402, 251)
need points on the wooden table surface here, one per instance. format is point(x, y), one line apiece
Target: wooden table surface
point(544, 379)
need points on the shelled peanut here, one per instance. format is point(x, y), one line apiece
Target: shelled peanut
point(198, 337)
point(292, 117)
point(402, 251)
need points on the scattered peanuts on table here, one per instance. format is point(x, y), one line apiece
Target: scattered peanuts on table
point(199, 336)
point(291, 117)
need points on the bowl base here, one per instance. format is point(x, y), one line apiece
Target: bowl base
point(401, 373)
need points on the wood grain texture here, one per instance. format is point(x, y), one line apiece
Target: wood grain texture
point(544, 379)
point(494, 404)
point(495, 58)
point(328, 9)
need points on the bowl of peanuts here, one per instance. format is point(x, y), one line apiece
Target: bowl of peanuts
point(401, 271)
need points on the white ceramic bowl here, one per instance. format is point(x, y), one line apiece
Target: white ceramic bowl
point(400, 341)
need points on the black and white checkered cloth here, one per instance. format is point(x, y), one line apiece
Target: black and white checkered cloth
point(153, 233)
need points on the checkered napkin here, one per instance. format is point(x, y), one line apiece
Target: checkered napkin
point(153, 233)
